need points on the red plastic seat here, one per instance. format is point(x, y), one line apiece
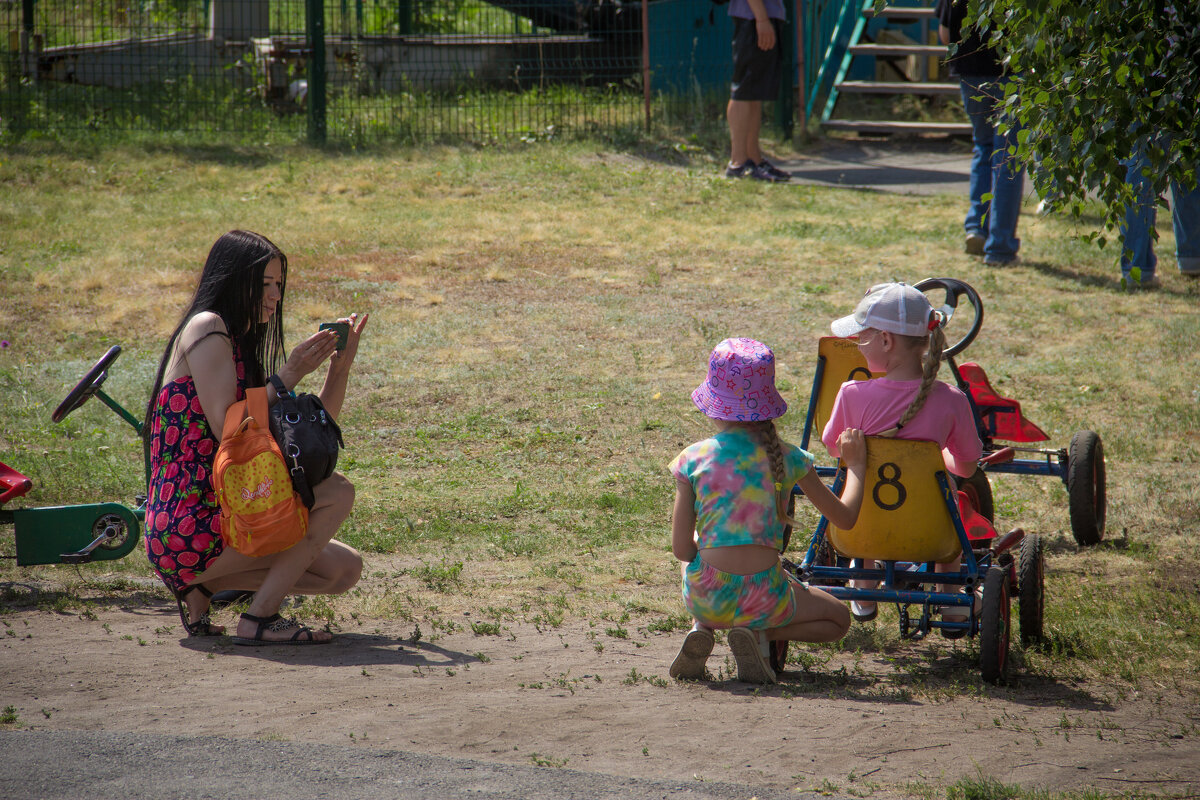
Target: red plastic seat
point(1001, 415)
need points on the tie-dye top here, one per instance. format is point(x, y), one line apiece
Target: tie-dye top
point(730, 474)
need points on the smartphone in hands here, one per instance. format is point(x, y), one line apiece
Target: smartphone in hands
point(342, 329)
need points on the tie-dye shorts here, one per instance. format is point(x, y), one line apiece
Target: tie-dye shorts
point(724, 600)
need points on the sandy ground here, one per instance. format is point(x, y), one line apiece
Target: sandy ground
point(579, 698)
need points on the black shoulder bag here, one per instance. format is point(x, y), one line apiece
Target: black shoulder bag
point(308, 436)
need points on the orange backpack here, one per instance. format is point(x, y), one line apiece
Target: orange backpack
point(261, 513)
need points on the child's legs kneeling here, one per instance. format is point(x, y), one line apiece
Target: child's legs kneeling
point(949, 566)
point(865, 584)
point(819, 617)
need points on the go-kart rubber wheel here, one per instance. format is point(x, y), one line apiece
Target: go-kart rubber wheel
point(995, 626)
point(980, 491)
point(1031, 588)
point(779, 649)
point(1086, 489)
point(87, 386)
point(955, 289)
point(825, 557)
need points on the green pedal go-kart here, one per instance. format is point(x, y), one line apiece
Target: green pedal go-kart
point(74, 534)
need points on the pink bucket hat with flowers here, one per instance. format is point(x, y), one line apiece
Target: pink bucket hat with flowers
point(741, 383)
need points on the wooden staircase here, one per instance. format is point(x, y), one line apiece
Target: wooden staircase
point(906, 83)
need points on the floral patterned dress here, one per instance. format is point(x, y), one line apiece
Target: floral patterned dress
point(183, 518)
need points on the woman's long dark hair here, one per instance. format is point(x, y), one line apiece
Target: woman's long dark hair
point(231, 286)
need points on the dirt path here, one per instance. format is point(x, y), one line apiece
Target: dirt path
point(579, 698)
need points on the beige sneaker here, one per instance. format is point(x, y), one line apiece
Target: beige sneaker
point(689, 664)
point(753, 665)
point(973, 244)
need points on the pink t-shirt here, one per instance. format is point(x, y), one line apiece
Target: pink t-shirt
point(876, 405)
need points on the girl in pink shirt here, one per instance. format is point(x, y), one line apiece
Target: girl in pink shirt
point(901, 336)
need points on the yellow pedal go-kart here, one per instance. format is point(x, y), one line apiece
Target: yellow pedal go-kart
point(914, 514)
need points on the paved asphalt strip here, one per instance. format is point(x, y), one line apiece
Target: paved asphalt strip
point(96, 765)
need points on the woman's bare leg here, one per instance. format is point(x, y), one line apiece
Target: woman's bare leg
point(317, 564)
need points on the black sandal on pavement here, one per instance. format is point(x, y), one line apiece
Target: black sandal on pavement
point(203, 626)
point(277, 624)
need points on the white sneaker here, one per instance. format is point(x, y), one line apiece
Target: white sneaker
point(753, 666)
point(973, 244)
point(863, 611)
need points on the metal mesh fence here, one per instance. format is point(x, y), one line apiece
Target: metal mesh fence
point(394, 70)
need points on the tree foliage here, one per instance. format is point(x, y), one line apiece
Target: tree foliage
point(1093, 82)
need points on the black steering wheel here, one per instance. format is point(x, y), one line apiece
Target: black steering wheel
point(88, 386)
point(954, 289)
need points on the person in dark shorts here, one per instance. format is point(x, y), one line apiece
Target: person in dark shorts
point(757, 70)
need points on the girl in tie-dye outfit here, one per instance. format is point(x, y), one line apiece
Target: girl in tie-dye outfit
point(731, 498)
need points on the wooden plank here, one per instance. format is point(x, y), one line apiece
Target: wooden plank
point(880, 126)
point(902, 12)
point(892, 50)
point(897, 87)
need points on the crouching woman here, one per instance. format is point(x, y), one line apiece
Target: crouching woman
point(231, 338)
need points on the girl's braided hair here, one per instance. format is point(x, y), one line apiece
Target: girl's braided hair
point(931, 362)
point(766, 435)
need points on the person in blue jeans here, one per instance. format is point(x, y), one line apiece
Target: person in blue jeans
point(990, 225)
point(1137, 247)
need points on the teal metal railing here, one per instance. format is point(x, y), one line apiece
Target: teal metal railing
point(829, 29)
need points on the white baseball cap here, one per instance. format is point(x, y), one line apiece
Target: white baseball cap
point(893, 307)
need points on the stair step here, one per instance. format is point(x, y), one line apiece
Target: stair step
point(895, 50)
point(902, 12)
point(897, 87)
point(898, 49)
point(879, 126)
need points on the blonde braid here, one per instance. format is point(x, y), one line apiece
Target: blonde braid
point(933, 361)
point(768, 437)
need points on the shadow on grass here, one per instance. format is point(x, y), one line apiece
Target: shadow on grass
point(231, 155)
point(1109, 282)
point(1075, 276)
point(16, 596)
point(910, 673)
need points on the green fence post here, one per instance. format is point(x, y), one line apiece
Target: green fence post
point(315, 31)
point(26, 44)
point(405, 12)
